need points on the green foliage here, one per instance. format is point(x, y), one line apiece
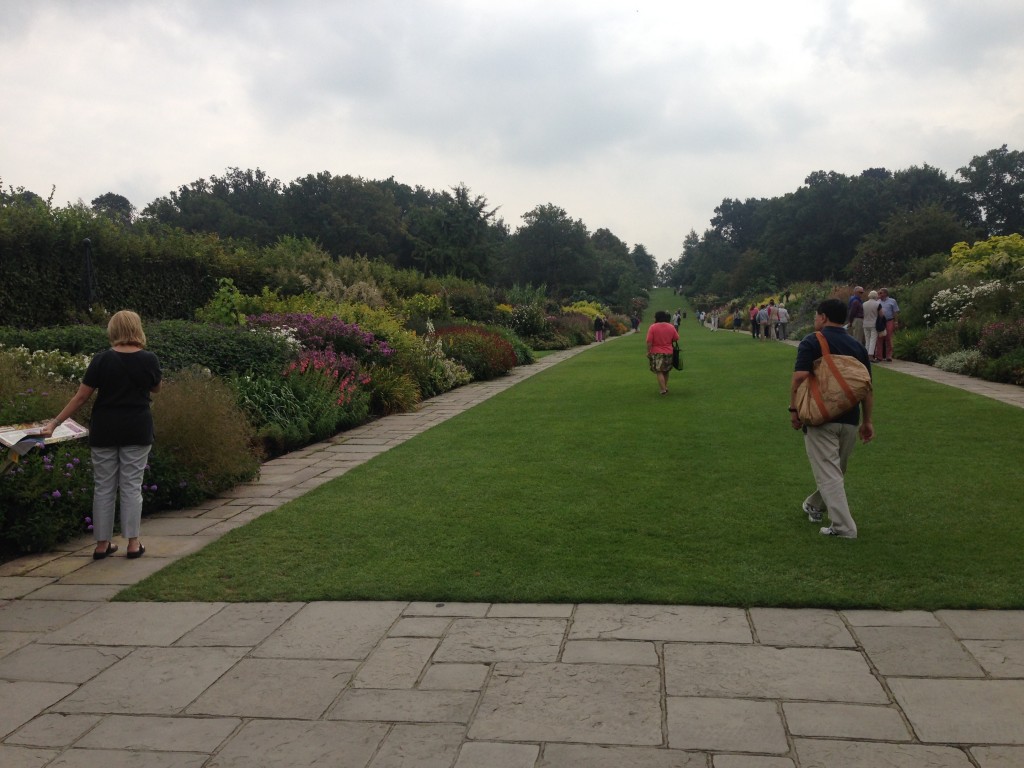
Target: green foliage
point(1008, 369)
point(999, 256)
point(46, 498)
point(70, 339)
point(275, 412)
point(225, 305)
point(201, 435)
point(392, 391)
point(963, 361)
point(940, 340)
point(1002, 338)
point(222, 350)
point(524, 355)
point(485, 354)
point(906, 345)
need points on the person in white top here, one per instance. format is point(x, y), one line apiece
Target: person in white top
point(871, 307)
point(783, 321)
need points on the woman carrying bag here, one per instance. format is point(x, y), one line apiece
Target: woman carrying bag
point(661, 337)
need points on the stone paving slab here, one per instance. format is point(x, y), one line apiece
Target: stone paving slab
point(588, 703)
point(859, 754)
point(963, 711)
point(814, 674)
point(917, 652)
point(652, 622)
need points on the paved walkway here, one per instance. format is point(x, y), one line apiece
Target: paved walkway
point(85, 682)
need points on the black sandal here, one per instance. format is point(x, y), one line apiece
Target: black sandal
point(136, 554)
point(111, 549)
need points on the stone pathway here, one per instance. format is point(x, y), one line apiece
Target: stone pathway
point(85, 682)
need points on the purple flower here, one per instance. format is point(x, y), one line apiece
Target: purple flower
point(56, 494)
point(88, 519)
point(152, 487)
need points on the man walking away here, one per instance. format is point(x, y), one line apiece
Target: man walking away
point(855, 316)
point(830, 445)
point(891, 310)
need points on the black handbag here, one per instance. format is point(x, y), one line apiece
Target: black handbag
point(677, 358)
point(880, 322)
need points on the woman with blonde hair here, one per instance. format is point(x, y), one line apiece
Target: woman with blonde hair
point(121, 429)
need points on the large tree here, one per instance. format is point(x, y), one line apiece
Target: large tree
point(115, 207)
point(456, 235)
point(995, 181)
point(550, 249)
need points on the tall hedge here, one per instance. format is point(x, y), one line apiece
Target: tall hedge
point(160, 272)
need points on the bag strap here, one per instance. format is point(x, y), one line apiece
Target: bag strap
point(826, 355)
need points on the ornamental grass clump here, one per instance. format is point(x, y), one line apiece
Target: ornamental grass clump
point(202, 436)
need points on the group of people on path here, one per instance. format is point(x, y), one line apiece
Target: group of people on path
point(873, 321)
point(769, 321)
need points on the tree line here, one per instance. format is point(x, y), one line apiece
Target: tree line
point(451, 232)
point(880, 227)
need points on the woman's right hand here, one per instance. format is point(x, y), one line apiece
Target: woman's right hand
point(47, 430)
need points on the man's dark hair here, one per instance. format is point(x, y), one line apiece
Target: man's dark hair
point(834, 310)
point(661, 316)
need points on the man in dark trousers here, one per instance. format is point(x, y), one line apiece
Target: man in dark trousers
point(830, 445)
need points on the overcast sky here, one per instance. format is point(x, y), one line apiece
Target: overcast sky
point(638, 116)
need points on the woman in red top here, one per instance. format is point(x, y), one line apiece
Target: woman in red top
point(660, 337)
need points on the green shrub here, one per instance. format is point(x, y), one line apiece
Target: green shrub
point(939, 340)
point(964, 361)
point(524, 355)
point(225, 308)
point(485, 354)
point(70, 339)
point(223, 350)
point(528, 320)
point(998, 339)
point(1008, 369)
point(906, 345)
point(574, 327)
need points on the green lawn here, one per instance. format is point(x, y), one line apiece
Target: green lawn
point(582, 484)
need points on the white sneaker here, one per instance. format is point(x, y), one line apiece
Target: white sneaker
point(830, 531)
point(813, 513)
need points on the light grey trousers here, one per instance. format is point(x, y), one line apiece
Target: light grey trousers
point(118, 469)
point(829, 448)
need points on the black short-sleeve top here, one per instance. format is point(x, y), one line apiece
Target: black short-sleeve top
point(121, 414)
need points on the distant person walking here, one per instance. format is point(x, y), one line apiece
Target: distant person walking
point(598, 328)
point(660, 338)
point(855, 314)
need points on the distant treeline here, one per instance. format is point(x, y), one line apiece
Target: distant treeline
point(452, 232)
point(878, 228)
